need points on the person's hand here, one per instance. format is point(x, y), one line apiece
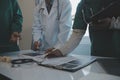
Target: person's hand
point(49, 50)
point(14, 37)
point(5, 59)
point(53, 53)
point(36, 45)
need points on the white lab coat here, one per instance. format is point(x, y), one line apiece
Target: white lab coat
point(55, 31)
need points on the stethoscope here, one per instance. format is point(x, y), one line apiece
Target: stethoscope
point(18, 62)
point(43, 24)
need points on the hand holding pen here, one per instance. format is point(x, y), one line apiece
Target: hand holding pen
point(36, 45)
point(52, 52)
point(15, 36)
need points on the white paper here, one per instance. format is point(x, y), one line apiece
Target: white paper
point(58, 60)
point(62, 62)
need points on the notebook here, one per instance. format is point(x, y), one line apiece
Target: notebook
point(71, 64)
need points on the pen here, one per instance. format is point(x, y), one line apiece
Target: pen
point(48, 53)
point(44, 55)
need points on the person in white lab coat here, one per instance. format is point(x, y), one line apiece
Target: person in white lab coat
point(52, 24)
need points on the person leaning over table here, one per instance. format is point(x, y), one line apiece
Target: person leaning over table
point(10, 25)
point(105, 41)
point(52, 24)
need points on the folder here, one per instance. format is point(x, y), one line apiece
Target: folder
point(68, 63)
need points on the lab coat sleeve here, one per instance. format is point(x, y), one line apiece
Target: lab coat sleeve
point(17, 17)
point(65, 22)
point(36, 29)
point(73, 42)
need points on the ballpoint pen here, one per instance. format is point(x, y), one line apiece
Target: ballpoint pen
point(46, 54)
point(44, 57)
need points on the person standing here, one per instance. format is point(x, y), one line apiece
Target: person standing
point(105, 40)
point(52, 24)
point(10, 25)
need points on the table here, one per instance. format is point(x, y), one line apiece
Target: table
point(35, 72)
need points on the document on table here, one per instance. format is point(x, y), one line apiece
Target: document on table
point(36, 56)
point(58, 60)
point(52, 61)
point(68, 63)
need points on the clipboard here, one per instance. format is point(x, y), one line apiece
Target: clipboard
point(111, 10)
point(73, 65)
point(68, 63)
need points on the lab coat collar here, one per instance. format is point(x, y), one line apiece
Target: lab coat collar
point(43, 5)
point(53, 7)
point(54, 3)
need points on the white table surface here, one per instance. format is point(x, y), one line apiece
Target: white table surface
point(35, 72)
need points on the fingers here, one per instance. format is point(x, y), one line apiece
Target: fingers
point(36, 45)
point(49, 50)
point(14, 37)
point(54, 53)
point(5, 59)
